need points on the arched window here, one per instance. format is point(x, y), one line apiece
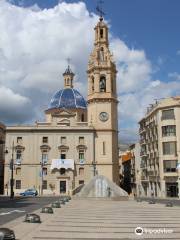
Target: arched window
point(101, 54)
point(44, 156)
point(44, 171)
point(81, 154)
point(63, 154)
point(112, 88)
point(102, 84)
point(62, 171)
point(101, 33)
point(18, 156)
point(82, 117)
point(92, 83)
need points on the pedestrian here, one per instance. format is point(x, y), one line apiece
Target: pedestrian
point(109, 191)
point(152, 193)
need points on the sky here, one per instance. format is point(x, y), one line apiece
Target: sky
point(37, 36)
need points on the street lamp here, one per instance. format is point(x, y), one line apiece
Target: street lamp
point(94, 168)
point(12, 171)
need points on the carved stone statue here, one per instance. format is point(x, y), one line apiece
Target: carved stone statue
point(102, 84)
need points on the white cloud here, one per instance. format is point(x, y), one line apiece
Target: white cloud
point(136, 86)
point(134, 69)
point(174, 75)
point(11, 99)
point(17, 105)
point(34, 47)
point(36, 44)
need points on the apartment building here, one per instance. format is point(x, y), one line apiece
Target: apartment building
point(129, 164)
point(135, 168)
point(160, 149)
point(2, 151)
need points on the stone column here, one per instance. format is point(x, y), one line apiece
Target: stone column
point(163, 189)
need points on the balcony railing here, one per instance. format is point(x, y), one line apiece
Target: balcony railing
point(144, 178)
point(143, 153)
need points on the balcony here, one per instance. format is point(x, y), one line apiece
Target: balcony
point(141, 130)
point(143, 153)
point(143, 141)
point(154, 178)
point(143, 165)
point(81, 161)
point(144, 178)
point(152, 173)
point(18, 161)
point(168, 117)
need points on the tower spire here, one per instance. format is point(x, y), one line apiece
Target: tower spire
point(68, 76)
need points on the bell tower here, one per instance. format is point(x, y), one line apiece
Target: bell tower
point(102, 104)
point(68, 78)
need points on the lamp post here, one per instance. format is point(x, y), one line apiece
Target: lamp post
point(94, 168)
point(12, 172)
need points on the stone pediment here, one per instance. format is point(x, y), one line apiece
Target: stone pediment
point(45, 147)
point(64, 121)
point(19, 147)
point(81, 146)
point(64, 147)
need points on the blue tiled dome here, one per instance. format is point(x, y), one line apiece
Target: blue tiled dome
point(68, 98)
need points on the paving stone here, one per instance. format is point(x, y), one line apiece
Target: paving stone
point(85, 219)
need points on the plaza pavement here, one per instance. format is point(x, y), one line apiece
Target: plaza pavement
point(91, 219)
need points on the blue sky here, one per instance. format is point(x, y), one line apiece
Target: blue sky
point(145, 41)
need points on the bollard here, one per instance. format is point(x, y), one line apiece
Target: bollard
point(66, 199)
point(62, 201)
point(152, 202)
point(47, 210)
point(56, 204)
point(169, 204)
point(32, 218)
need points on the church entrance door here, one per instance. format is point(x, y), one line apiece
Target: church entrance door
point(62, 186)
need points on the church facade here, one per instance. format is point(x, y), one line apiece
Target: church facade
point(79, 138)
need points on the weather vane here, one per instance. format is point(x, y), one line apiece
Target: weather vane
point(99, 9)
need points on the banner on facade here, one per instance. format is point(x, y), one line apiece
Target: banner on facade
point(62, 163)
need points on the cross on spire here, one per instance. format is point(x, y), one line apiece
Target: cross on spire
point(99, 9)
point(68, 60)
